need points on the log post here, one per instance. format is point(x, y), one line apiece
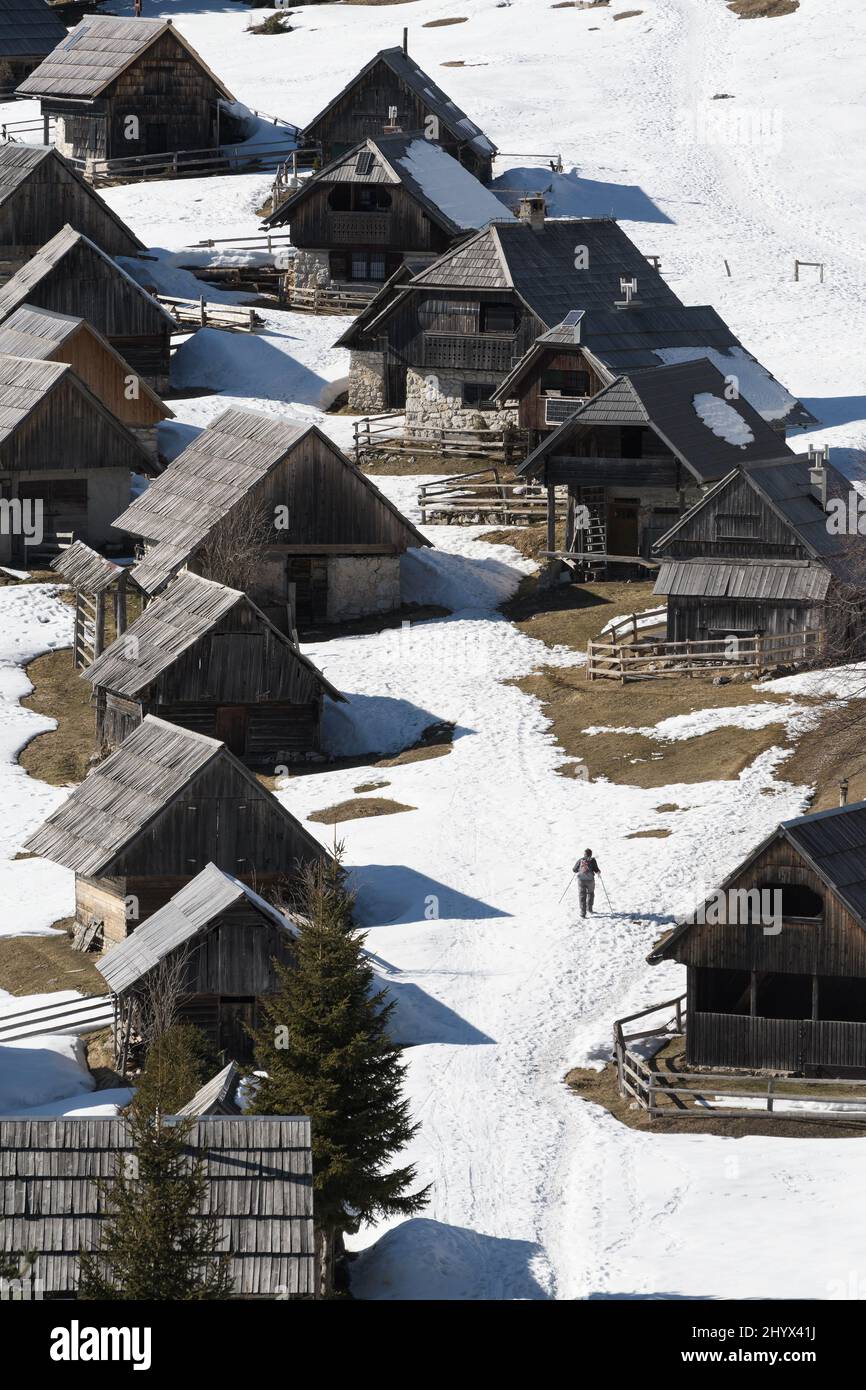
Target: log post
point(551, 517)
point(99, 626)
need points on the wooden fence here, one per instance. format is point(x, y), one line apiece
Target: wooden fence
point(682, 1095)
point(184, 164)
point(191, 314)
point(388, 433)
point(651, 659)
point(484, 496)
point(327, 299)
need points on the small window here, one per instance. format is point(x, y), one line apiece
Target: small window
point(372, 198)
point(798, 900)
point(479, 394)
point(497, 318)
point(340, 198)
point(368, 265)
point(564, 383)
point(732, 528)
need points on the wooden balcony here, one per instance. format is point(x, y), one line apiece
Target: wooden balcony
point(359, 228)
point(483, 352)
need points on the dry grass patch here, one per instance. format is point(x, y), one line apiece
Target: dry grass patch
point(648, 835)
point(407, 465)
point(667, 806)
point(60, 755)
point(569, 615)
point(435, 742)
point(370, 786)
point(763, 9)
point(627, 14)
point(43, 964)
point(359, 808)
point(833, 750)
point(441, 23)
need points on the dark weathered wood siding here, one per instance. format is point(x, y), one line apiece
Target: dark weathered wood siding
point(443, 329)
point(403, 227)
point(45, 201)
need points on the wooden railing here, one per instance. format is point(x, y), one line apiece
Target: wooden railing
point(190, 314)
point(329, 299)
point(388, 433)
point(651, 659)
point(361, 227)
point(685, 1095)
point(174, 164)
point(480, 351)
point(484, 496)
point(619, 628)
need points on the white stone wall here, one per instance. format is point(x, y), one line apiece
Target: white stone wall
point(362, 584)
point(434, 400)
point(310, 270)
point(367, 382)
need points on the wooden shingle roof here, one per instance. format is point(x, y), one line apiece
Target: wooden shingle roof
point(218, 470)
point(258, 1171)
point(217, 1096)
point(798, 581)
point(29, 28)
point(186, 610)
point(437, 102)
point(86, 569)
point(185, 917)
point(48, 258)
point(666, 400)
point(125, 795)
point(96, 52)
point(453, 198)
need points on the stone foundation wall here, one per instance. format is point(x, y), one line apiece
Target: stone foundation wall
point(310, 270)
point(434, 400)
point(362, 584)
point(367, 383)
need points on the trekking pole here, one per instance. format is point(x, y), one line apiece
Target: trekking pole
point(567, 886)
point(606, 894)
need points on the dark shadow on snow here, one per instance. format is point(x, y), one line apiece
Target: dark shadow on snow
point(569, 195)
point(389, 893)
point(419, 1018)
point(422, 1259)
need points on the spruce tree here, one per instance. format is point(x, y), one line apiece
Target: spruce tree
point(326, 1049)
point(155, 1245)
point(178, 1063)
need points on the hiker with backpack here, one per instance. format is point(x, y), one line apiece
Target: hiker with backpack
point(586, 869)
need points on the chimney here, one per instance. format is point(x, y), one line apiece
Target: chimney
point(532, 209)
point(843, 792)
point(818, 460)
point(392, 128)
point(406, 42)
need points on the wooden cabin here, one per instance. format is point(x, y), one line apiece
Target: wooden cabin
point(71, 275)
point(391, 198)
point(327, 543)
point(40, 192)
point(223, 941)
point(117, 88)
point(781, 985)
point(205, 657)
point(572, 362)
point(755, 557)
point(638, 454)
point(29, 31)
point(448, 337)
point(45, 336)
point(149, 818)
point(99, 586)
point(392, 91)
point(258, 1182)
point(64, 459)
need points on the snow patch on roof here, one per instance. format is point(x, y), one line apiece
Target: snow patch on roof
point(451, 187)
point(763, 392)
point(722, 419)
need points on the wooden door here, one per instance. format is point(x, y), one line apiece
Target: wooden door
point(237, 1016)
point(231, 727)
point(622, 529)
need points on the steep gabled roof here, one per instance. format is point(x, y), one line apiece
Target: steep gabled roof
point(39, 333)
point(212, 475)
point(18, 162)
point(217, 1096)
point(180, 923)
point(29, 28)
point(18, 290)
point(432, 96)
point(86, 569)
point(785, 486)
point(453, 199)
point(258, 1174)
point(125, 795)
point(539, 267)
point(832, 842)
point(95, 54)
point(686, 407)
point(186, 610)
point(26, 385)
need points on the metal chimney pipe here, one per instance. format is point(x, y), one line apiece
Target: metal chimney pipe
point(843, 792)
point(406, 41)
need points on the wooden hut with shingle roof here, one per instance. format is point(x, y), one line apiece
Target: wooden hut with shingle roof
point(204, 656)
point(330, 541)
point(221, 943)
point(40, 192)
point(51, 337)
point(64, 459)
point(29, 30)
point(259, 1183)
point(122, 87)
point(149, 818)
point(71, 275)
point(392, 91)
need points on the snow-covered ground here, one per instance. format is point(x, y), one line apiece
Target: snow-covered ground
point(535, 1194)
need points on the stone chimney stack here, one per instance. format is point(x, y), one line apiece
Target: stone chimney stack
point(818, 460)
point(843, 792)
point(532, 209)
